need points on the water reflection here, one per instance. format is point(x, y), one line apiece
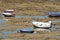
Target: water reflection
point(55, 28)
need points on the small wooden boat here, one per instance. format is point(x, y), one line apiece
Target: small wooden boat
point(8, 13)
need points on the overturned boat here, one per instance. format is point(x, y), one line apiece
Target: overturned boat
point(43, 25)
point(53, 14)
point(8, 13)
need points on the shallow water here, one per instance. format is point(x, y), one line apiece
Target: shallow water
point(6, 33)
point(31, 28)
point(2, 22)
point(31, 16)
point(15, 31)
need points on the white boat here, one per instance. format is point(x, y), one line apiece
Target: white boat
point(8, 13)
point(44, 25)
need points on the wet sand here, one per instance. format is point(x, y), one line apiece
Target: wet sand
point(8, 28)
point(9, 32)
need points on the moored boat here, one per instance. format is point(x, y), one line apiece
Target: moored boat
point(43, 25)
point(27, 30)
point(8, 13)
point(53, 14)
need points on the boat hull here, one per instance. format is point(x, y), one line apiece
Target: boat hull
point(41, 27)
point(8, 15)
point(26, 31)
point(54, 15)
